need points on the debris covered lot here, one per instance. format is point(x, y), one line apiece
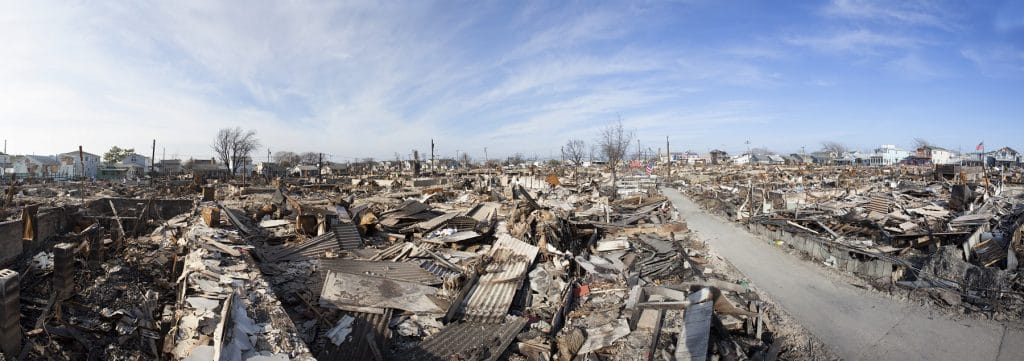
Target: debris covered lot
point(476, 266)
point(948, 236)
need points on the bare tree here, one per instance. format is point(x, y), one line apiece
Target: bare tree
point(233, 146)
point(514, 159)
point(613, 142)
point(574, 151)
point(922, 143)
point(286, 159)
point(834, 147)
point(309, 158)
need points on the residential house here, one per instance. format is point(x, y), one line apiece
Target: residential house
point(169, 166)
point(270, 169)
point(77, 164)
point(935, 155)
point(334, 169)
point(208, 168)
point(304, 170)
point(824, 157)
point(887, 154)
point(1004, 157)
point(719, 157)
point(136, 164)
point(742, 159)
point(797, 158)
point(6, 165)
point(776, 159)
point(692, 158)
point(36, 166)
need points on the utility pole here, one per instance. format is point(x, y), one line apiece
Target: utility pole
point(668, 152)
point(152, 157)
point(431, 156)
point(485, 157)
point(319, 169)
point(81, 159)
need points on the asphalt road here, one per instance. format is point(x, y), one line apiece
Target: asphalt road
point(854, 323)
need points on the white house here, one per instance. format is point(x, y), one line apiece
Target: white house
point(887, 154)
point(741, 159)
point(74, 164)
point(5, 164)
point(137, 164)
point(937, 155)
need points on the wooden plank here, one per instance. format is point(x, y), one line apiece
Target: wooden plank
point(692, 343)
point(120, 226)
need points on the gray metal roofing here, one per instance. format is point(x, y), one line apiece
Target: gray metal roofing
point(491, 297)
point(469, 341)
point(403, 271)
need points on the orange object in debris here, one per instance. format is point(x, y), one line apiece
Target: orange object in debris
point(583, 290)
point(553, 180)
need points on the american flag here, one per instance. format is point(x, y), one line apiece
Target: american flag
point(650, 167)
point(980, 147)
point(635, 163)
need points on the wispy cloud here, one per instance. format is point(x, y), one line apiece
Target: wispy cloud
point(859, 41)
point(900, 13)
point(997, 61)
point(359, 78)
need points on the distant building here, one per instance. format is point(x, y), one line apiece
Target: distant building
point(169, 166)
point(136, 165)
point(304, 170)
point(74, 164)
point(334, 169)
point(1004, 157)
point(887, 154)
point(270, 169)
point(742, 159)
point(36, 166)
point(207, 168)
point(6, 164)
point(719, 157)
point(934, 155)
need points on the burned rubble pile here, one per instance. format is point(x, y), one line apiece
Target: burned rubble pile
point(951, 233)
point(485, 268)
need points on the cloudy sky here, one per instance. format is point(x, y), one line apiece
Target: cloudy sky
point(372, 78)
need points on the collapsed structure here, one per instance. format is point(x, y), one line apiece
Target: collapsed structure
point(954, 232)
point(479, 266)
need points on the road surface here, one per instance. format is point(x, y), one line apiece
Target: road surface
point(854, 323)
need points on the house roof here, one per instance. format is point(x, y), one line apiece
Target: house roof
point(75, 154)
point(42, 159)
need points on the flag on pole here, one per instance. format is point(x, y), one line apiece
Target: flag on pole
point(650, 167)
point(980, 147)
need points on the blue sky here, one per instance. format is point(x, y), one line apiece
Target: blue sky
point(370, 78)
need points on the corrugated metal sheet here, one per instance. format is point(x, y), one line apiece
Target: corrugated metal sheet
point(368, 340)
point(462, 223)
point(469, 341)
point(438, 270)
point(402, 271)
point(309, 248)
point(491, 297)
point(483, 212)
point(880, 204)
point(347, 235)
point(436, 222)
